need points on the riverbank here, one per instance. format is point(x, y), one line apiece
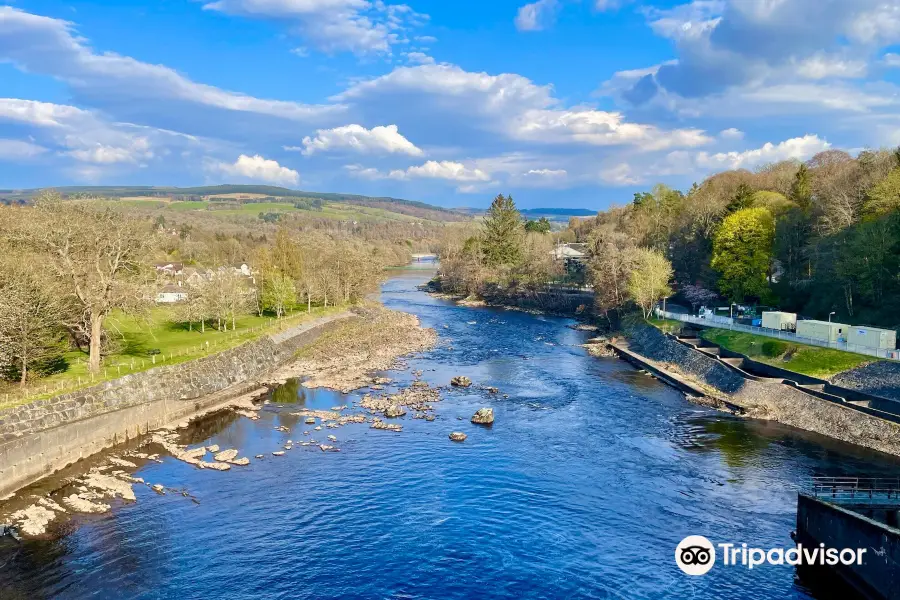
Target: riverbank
point(340, 356)
point(760, 398)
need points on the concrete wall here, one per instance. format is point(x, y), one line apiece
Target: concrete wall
point(786, 404)
point(836, 527)
point(39, 438)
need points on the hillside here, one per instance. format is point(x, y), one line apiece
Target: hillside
point(253, 199)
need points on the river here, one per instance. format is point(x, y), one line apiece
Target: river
point(590, 476)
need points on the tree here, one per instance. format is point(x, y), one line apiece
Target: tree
point(648, 282)
point(612, 257)
point(742, 253)
point(502, 232)
point(31, 317)
point(697, 295)
point(196, 307)
point(96, 254)
point(743, 198)
point(541, 225)
point(885, 196)
point(801, 189)
point(279, 293)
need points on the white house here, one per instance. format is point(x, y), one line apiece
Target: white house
point(171, 294)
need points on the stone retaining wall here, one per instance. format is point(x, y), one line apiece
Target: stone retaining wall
point(46, 435)
point(775, 401)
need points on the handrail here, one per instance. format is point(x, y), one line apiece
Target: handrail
point(856, 490)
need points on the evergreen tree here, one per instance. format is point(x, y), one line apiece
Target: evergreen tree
point(801, 189)
point(502, 232)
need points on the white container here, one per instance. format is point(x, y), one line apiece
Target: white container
point(782, 321)
point(872, 337)
point(823, 331)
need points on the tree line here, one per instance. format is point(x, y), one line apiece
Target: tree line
point(67, 266)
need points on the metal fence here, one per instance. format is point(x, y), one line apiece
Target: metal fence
point(726, 323)
point(879, 491)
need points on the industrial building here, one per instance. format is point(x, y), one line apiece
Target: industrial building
point(823, 331)
point(782, 321)
point(872, 337)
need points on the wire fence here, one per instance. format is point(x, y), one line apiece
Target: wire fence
point(726, 323)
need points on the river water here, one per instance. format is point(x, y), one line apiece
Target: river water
point(590, 476)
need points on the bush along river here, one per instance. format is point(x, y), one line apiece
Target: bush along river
point(589, 477)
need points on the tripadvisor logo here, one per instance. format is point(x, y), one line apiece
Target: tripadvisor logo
point(696, 555)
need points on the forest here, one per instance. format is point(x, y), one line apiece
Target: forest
point(814, 237)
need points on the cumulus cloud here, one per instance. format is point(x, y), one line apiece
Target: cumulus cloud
point(725, 44)
point(445, 169)
point(800, 148)
point(256, 168)
point(732, 133)
point(507, 104)
point(357, 26)
point(537, 15)
point(356, 138)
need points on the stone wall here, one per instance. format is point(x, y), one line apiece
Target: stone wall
point(46, 435)
point(774, 401)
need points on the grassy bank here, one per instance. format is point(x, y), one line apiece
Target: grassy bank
point(809, 360)
point(150, 341)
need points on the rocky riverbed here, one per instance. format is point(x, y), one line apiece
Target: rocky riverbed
point(344, 358)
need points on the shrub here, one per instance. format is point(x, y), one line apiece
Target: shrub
point(774, 348)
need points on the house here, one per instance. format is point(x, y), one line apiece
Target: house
point(569, 252)
point(171, 294)
point(169, 268)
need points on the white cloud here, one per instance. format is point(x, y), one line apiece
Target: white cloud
point(88, 137)
point(19, 150)
point(511, 105)
point(619, 175)
point(800, 148)
point(45, 45)
point(537, 15)
point(891, 60)
point(731, 133)
point(256, 168)
point(357, 26)
point(419, 58)
point(821, 66)
point(445, 169)
point(382, 139)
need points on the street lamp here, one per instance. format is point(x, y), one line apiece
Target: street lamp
point(829, 315)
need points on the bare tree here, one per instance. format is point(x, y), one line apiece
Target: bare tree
point(31, 316)
point(97, 256)
point(648, 283)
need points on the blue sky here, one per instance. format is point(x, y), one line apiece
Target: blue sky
point(560, 102)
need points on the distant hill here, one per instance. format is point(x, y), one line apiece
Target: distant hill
point(246, 193)
point(558, 212)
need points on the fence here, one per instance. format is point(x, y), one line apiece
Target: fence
point(726, 323)
point(872, 491)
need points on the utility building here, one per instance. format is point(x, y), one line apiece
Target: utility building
point(782, 321)
point(823, 331)
point(872, 337)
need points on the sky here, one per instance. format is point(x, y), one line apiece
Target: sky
point(561, 103)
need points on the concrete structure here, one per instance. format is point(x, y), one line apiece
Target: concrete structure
point(820, 522)
point(44, 436)
point(567, 251)
point(782, 321)
point(872, 337)
point(823, 331)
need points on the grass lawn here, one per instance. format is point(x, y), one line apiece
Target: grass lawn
point(331, 210)
point(665, 325)
point(153, 340)
point(809, 360)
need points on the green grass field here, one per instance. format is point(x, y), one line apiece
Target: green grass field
point(153, 340)
point(331, 210)
point(666, 325)
point(809, 360)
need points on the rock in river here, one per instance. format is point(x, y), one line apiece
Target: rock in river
point(227, 455)
point(461, 381)
point(483, 416)
point(458, 436)
point(394, 410)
